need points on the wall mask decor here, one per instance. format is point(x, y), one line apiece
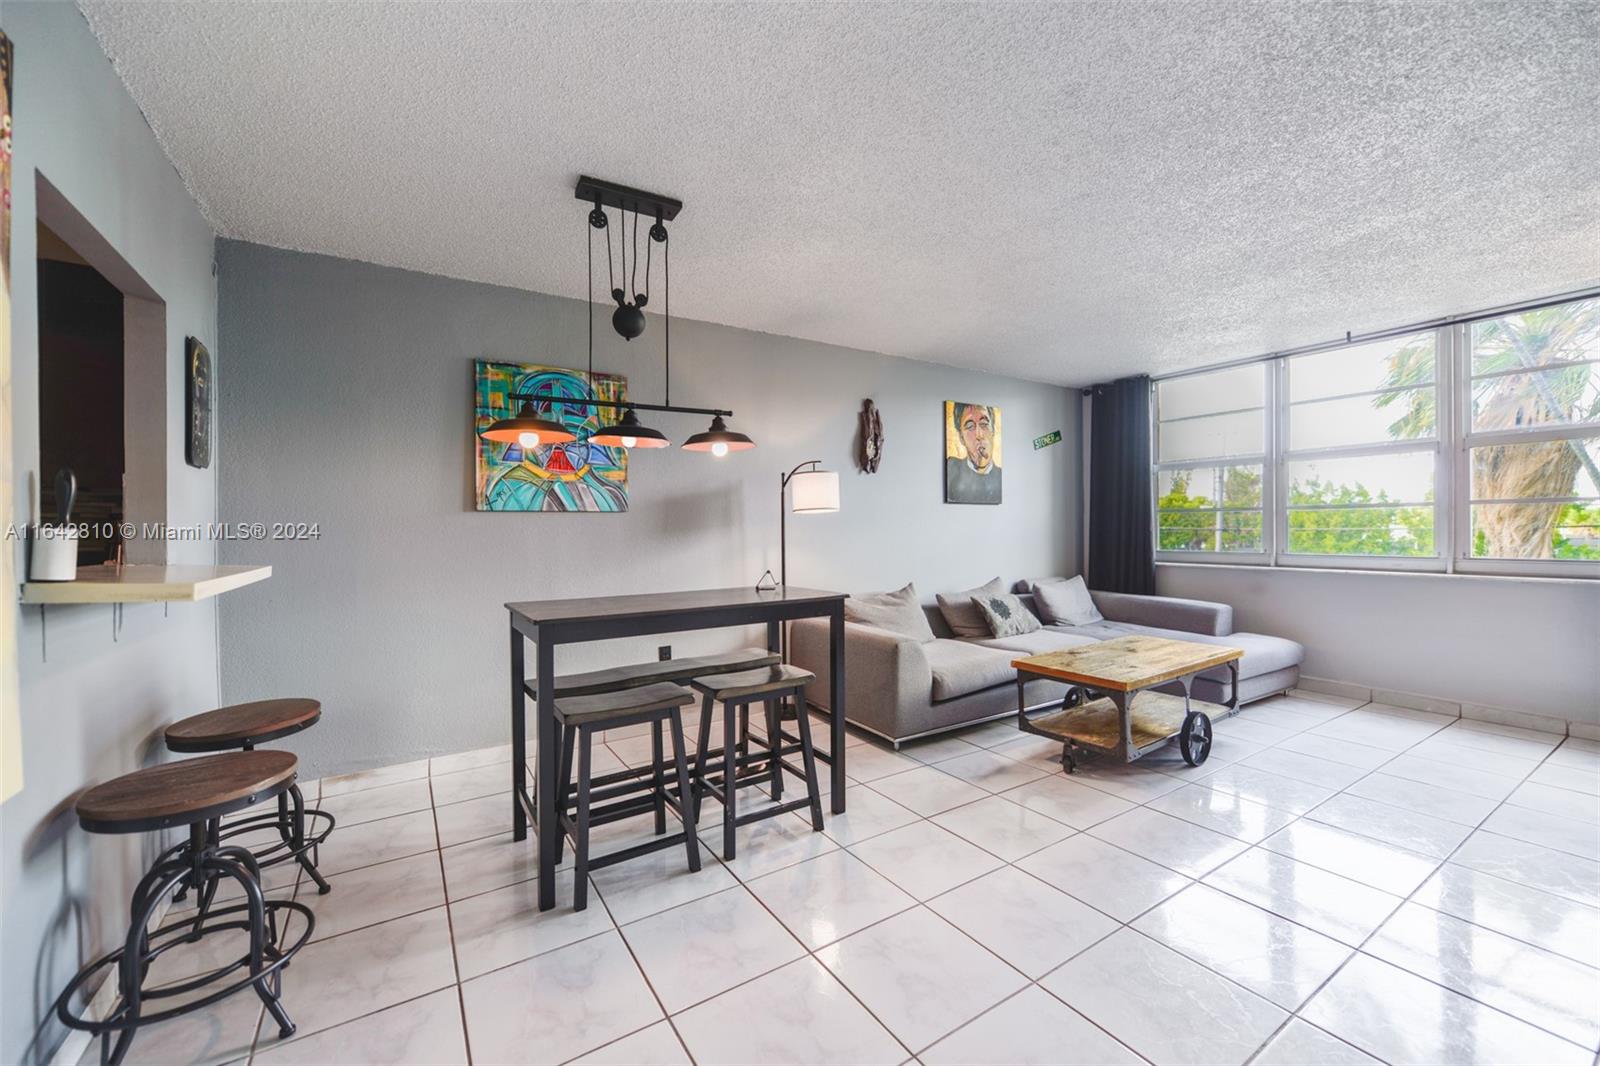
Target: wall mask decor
point(871, 437)
point(197, 404)
point(569, 472)
point(972, 457)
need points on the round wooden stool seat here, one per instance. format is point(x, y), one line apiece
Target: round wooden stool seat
point(186, 791)
point(242, 725)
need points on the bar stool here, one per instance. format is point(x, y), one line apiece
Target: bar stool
point(241, 727)
point(192, 792)
point(579, 718)
point(769, 686)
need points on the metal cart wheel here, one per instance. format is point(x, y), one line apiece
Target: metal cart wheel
point(1195, 738)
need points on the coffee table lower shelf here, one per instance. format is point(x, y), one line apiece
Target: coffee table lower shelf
point(1155, 718)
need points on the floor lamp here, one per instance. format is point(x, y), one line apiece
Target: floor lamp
point(803, 492)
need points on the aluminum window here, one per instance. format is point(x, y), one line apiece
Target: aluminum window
point(1469, 446)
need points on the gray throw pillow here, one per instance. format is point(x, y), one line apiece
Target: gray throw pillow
point(964, 619)
point(1067, 602)
point(1005, 614)
point(899, 612)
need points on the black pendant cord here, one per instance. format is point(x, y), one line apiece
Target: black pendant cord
point(588, 307)
point(666, 277)
point(611, 269)
point(633, 281)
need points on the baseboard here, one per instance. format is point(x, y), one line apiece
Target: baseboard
point(76, 1045)
point(1477, 712)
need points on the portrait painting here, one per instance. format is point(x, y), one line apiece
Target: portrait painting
point(572, 476)
point(971, 453)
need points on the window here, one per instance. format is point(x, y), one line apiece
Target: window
point(1211, 458)
point(1362, 445)
point(1471, 447)
point(1533, 438)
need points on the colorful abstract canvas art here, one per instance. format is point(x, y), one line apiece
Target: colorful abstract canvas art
point(577, 476)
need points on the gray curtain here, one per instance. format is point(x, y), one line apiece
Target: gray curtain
point(1120, 549)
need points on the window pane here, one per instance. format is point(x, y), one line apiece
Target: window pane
point(1209, 487)
point(1558, 396)
point(1536, 530)
point(1406, 415)
point(1395, 531)
point(1537, 338)
point(1387, 364)
point(1536, 471)
point(1210, 393)
point(1209, 531)
point(1403, 478)
point(1212, 436)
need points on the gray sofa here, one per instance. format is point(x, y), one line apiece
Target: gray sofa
point(900, 689)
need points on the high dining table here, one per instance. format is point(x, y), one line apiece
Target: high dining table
point(548, 623)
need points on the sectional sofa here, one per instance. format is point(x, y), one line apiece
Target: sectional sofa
point(900, 688)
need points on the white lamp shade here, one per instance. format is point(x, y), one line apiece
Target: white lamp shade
point(814, 492)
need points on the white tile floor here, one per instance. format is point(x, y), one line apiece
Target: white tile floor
point(1338, 884)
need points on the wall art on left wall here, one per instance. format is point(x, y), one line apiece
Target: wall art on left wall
point(575, 476)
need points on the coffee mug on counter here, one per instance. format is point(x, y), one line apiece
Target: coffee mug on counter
point(55, 553)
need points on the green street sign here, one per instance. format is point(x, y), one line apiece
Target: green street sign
point(1053, 437)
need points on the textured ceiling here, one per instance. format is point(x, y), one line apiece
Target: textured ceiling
point(1066, 192)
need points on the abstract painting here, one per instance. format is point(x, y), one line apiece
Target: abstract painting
point(577, 476)
point(971, 453)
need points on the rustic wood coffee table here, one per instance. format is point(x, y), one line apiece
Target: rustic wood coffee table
point(1108, 707)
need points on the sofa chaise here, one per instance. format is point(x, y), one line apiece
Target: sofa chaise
point(900, 688)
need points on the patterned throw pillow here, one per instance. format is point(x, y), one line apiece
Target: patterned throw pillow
point(1006, 615)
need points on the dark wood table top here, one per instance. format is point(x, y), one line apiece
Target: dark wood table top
point(663, 604)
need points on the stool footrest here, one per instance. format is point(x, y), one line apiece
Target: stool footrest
point(785, 807)
point(674, 840)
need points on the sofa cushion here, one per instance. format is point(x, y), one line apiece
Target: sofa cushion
point(961, 615)
point(1262, 654)
point(899, 612)
point(1067, 602)
point(960, 667)
point(1005, 615)
point(1037, 643)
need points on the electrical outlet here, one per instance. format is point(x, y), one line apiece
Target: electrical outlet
point(664, 652)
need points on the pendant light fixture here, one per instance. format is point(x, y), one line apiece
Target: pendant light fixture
point(719, 440)
point(527, 430)
point(629, 322)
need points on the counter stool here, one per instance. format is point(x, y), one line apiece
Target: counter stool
point(192, 792)
point(770, 686)
point(579, 718)
point(241, 727)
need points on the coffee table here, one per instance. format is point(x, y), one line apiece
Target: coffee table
point(1109, 706)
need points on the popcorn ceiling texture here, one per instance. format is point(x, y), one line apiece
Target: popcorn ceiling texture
point(1065, 192)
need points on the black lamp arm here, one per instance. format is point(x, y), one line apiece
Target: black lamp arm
point(623, 405)
point(783, 482)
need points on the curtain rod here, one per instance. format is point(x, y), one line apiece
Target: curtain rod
point(1396, 331)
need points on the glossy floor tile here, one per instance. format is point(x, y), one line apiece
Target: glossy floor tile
point(1402, 1018)
point(1163, 1005)
point(1338, 884)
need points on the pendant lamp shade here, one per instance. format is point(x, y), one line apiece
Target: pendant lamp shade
point(628, 433)
point(719, 440)
point(814, 492)
point(528, 430)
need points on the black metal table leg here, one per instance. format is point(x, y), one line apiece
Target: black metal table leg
point(547, 823)
point(519, 739)
point(836, 703)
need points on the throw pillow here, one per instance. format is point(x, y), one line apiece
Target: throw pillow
point(899, 612)
point(1067, 602)
point(1005, 614)
point(961, 616)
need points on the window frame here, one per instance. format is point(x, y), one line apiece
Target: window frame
point(1261, 459)
point(1451, 446)
point(1467, 439)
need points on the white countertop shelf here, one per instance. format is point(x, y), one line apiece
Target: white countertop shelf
point(144, 583)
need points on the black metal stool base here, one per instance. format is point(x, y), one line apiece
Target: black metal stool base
point(200, 861)
point(295, 844)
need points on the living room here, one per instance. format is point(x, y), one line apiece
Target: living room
point(1183, 421)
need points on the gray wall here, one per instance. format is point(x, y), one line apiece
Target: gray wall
point(349, 390)
point(92, 709)
point(1522, 645)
